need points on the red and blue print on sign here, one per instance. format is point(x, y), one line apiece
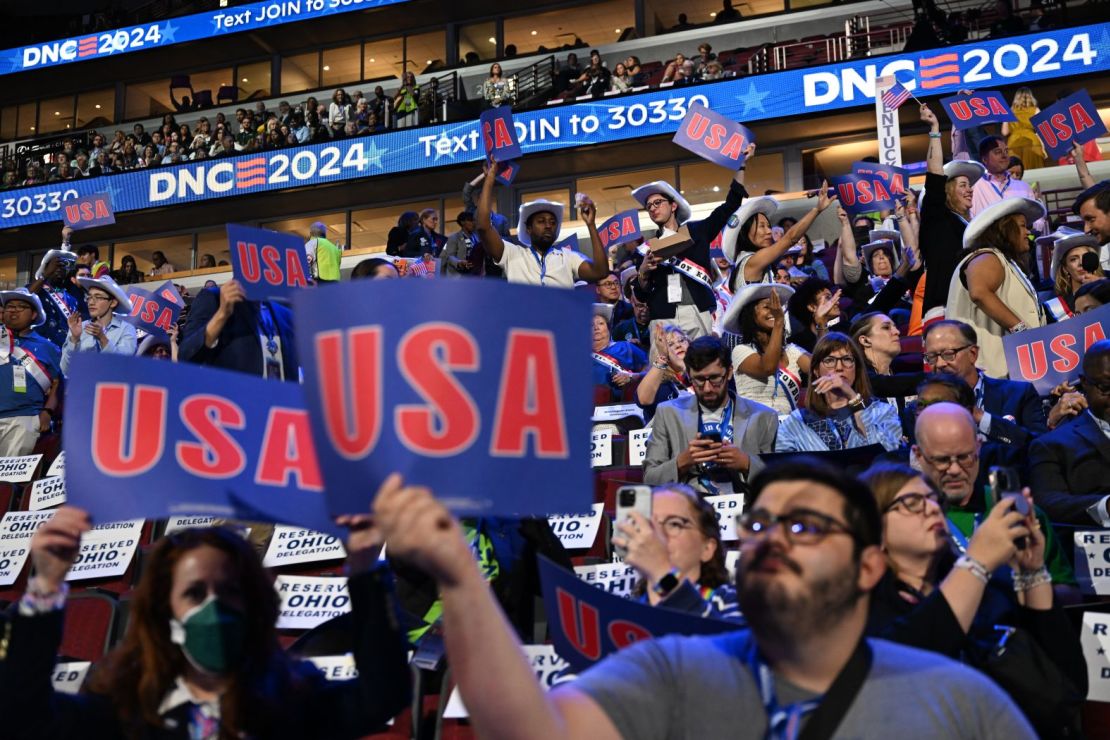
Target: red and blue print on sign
point(498, 134)
point(969, 111)
point(620, 229)
point(490, 407)
point(862, 193)
point(152, 312)
point(713, 137)
point(1073, 120)
point(506, 172)
point(92, 210)
point(270, 265)
point(894, 178)
point(149, 438)
point(1053, 354)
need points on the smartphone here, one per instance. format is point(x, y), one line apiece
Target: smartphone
point(1005, 483)
point(711, 436)
point(632, 499)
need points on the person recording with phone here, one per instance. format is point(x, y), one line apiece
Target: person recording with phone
point(711, 440)
point(934, 598)
point(670, 535)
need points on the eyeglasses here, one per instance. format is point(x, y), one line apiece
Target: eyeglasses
point(943, 462)
point(948, 355)
point(842, 360)
point(914, 503)
point(651, 205)
point(90, 298)
point(17, 309)
point(675, 525)
point(800, 526)
point(713, 380)
point(1102, 388)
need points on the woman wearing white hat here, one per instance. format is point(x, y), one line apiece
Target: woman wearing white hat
point(1071, 269)
point(105, 331)
point(989, 290)
point(768, 369)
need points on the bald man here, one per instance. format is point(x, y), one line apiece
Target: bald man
point(1070, 466)
point(947, 452)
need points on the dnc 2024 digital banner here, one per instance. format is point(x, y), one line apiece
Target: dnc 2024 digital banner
point(1068, 53)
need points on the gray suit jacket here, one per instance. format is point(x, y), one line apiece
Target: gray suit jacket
point(676, 424)
point(455, 249)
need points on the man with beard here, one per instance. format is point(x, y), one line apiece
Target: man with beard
point(810, 555)
point(58, 302)
point(533, 261)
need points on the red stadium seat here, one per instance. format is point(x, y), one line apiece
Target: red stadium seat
point(89, 621)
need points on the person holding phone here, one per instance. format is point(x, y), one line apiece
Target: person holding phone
point(677, 551)
point(936, 598)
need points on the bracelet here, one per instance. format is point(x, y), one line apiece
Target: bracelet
point(1032, 579)
point(974, 567)
point(659, 365)
point(1019, 326)
point(937, 135)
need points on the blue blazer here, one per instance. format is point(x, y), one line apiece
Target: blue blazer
point(1017, 414)
point(239, 347)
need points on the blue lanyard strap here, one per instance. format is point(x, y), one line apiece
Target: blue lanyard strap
point(542, 262)
point(783, 722)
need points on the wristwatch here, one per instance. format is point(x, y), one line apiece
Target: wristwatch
point(667, 583)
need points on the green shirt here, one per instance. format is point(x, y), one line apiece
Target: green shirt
point(327, 259)
point(1054, 557)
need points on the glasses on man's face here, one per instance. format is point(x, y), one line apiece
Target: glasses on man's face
point(948, 355)
point(1101, 388)
point(914, 503)
point(943, 462)
point(90, 298)
point(675, 525)
point(842, 360)
point(651, 205)
point(713, 380)
point(13, 308)
point(800, 526)
point(608, 284)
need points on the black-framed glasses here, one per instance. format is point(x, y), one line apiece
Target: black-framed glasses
point(834, 360)
point(800, 526)
point(943, 462)
point(651, 205)
point(1103, 388)
point(92, 297)
point(713, 380)
point(914, 503)
point(675, 525)
point(948, 355)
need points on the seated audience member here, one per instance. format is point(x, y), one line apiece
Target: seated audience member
point(398, 236)
point(768, 369)
point(679, 555)
point(225, 330)
point(128, 272)
point(1005, 410)
point(106, 331)
point(30, 376)
point(457, 257)
point(805, 588)
point(948, 452)
point(711, 439)
point(636, 328)
point(1070, 466)
point(878, 338)
point(616, 365)
point(1092, 296)
point(161, 266)
point(534, 261)
point(608, 291)
point(932, 597)
point(815, 308)
point(1072, 268)
point(840, 412)
point(200, 657)
point(374, 268)
point(160, 348)
point(806, 261)
point(666, 379)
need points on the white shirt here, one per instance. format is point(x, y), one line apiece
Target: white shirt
point(523, 265)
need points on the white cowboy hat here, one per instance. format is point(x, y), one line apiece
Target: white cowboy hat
point(869, 249)
point(1068, 242)
point(642, 193)
point(151, 341)
point(970, 169)
point(109, 286)
point(876, 235)
point(52, 254)
point(605, 311)
point(22, 294)
point(764, 204)
point(1049, 240)
point(1031, 209)
point(752, 293)
point(537, 206)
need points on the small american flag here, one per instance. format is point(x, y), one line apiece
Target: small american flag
point(895, 96)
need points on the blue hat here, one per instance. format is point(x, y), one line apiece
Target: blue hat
point(1089, 193)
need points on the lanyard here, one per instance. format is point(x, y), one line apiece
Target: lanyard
point(725, 427)
point(268, 327)
point(1002, 192)
point(783, 722)
point(542, 262)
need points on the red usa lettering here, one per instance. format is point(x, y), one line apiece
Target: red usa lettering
point(712, 135)
point(266, 265)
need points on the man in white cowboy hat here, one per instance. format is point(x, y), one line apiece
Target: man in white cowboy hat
point(51, 285)
point(533, 261)
point(30, 370)
point(989, 290)
point(105, 331)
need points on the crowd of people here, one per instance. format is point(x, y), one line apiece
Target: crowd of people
point(758, 355)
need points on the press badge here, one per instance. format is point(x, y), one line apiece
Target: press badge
point(19, 379)
point(674, 288)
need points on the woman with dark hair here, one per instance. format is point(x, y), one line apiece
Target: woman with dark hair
point(201, 657)
point(989, 288)
point(880, 342)
point(768, 369)
point(814, 307)
point(339, 112)
point(497, 90)
point(398, 236)
point(805, 261)
point(933, 598)
point(840, 411)
point(679, 555)
point(128, 272)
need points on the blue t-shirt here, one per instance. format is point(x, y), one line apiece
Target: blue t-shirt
point(31, 401)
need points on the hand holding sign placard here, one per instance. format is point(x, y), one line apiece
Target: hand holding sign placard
point(621, 228)
point(92, 210)
point(268, 264)
point(1050, 355)
point(713, 137)
point(153, 313)
point(895, 179)
point(450, 399)
point(1073, 120)
point(499, 134)
point(862, 194)
point(977, 109)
